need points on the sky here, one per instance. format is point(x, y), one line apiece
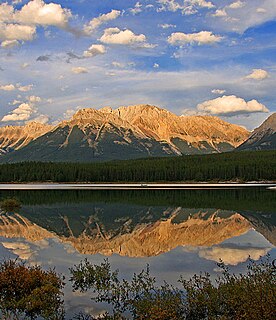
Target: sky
point(189, 56)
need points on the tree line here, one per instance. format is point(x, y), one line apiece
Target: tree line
point(234, 166)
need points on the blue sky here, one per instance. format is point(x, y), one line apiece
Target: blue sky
point(189, 56)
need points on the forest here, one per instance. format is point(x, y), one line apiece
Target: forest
point(232, 166)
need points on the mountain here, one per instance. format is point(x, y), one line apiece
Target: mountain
point(141, 240)
point(124, 133)
point(16, 137)
point(262, 138)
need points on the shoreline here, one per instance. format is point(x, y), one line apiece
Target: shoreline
point(134, 186)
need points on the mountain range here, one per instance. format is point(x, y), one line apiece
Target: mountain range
point(124, 133)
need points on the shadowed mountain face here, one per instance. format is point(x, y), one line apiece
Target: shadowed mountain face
point(124, 133)
point(262, 138)
point(136, 225)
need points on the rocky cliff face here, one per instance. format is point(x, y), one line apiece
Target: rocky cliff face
point(123, 133)
point(262, 138)
point(16, 137)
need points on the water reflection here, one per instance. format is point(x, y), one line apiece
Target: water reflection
point(176, 232)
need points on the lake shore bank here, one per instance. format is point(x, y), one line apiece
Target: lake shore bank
point(134, 186)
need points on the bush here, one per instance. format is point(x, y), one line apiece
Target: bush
point(28, 292)
point(10, 205)
point(236, 297)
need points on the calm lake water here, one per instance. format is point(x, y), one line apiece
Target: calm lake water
point(176, 232)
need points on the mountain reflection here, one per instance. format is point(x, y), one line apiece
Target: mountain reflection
point(137, 226)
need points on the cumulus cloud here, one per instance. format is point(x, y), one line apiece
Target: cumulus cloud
point(22, 250)
point(7, 87)
point(103, 18)
point(12, 87)
point(34, 99)
point(232, 255)
point(16, 32)
point(94, 50)
point(21, 113)
point(124, 37)
point(231, 105)
point(257, 74)
point(201, 38)
point(37, 12)
point(8, 44)
point(27, 88)
point(21, 24)
point(220, 13)
point(218, 91)
point(79, 70)
point(236, 5)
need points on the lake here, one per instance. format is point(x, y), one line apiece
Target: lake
point(176, 232)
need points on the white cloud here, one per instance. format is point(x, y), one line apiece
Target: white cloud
point(22, 250)
point(124, 37)
point(187, 7)
point(231, 105)
point(37, 12)
point(137, 8)
point(7, 87)
point(21, 113)
point(166, 26)
point(242, 15)
point(258, 74)
point(232, 256)
point(16, 32)
point(202, 37)
point(261, 10)
point(68, 114)
point(42, 118)
point(25, 88)
point(21, 24)
point(220, 13)
point(94, 50)
point(79, 70)
point(236, 5)
point(218, 91)
point(97, 22)
point(9, 44)
point(34, 99)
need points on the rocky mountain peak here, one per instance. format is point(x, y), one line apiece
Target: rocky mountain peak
point(268, 124)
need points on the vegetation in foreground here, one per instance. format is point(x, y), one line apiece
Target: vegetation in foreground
point(10, 205)
point(232, 166)
point(30, 293)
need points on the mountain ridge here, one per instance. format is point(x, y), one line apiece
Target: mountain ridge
point(263, 137)
point(124, 133)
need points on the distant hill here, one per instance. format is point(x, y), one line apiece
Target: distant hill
point(262, 138)
point(125, 133)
